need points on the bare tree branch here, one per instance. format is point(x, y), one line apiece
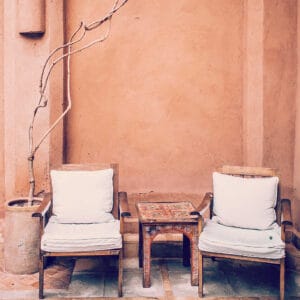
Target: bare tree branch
point(47, 69)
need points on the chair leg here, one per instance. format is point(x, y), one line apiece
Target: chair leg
point(41, 277)
point(186, 253)
point(200, 274)
point(120, 275)
point(282, 278)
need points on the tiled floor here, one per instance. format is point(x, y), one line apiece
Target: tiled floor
point(65, 279)
point(170, 280)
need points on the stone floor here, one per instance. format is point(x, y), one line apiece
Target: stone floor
point(97, 278)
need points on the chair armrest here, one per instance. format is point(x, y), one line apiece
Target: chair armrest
point(293, 231)
point(123, 205)
point(201, 209)
point(286, 214)
point(206, 203)
point(124, 210)
point(44, 207)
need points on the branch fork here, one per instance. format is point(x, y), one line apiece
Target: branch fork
point(47, 69)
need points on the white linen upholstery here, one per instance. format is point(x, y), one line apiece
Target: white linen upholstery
point(60, 237)
point(82, 196)
point(245, 202)
point(239, 241)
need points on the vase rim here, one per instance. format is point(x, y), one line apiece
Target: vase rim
point(12, 204)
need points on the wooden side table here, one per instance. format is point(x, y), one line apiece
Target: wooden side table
point(168, 217)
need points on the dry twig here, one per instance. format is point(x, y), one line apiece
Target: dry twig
point(47, 69)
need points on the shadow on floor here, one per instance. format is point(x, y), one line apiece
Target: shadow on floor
point(97, 278)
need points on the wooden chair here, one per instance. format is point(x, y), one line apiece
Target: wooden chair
point(229, 249)
point(105, 246)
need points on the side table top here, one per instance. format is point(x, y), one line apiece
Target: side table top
point(166, 212)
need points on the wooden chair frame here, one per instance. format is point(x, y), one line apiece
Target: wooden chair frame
point(283, 218)
point(120, 211)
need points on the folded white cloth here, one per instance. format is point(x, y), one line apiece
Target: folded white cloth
point(64, 237)
point(239, 241)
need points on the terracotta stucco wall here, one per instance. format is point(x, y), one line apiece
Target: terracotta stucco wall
point(179, 88)
point(280, 74)
point(270, 72)
point(2, 183)
point(163, 95)
point(253, 82)
point(296, 166)
point(23, 60)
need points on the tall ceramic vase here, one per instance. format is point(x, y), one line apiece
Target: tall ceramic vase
point(21, 237)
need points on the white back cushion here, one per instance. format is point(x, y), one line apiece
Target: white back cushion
point(82, 196)
point(245, 202)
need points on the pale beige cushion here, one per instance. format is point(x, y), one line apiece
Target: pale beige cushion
point(60, 237)
point(82, 196)
point(245, 202)
point(240, 241)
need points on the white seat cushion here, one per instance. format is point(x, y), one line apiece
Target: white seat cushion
point(239, 241)
point(245, 202)
point(60, 237)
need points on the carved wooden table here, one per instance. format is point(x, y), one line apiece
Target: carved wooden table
point(168, 217)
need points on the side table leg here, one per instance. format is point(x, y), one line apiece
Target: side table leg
point(186, 255)
point(146, 258)
point(140, 245)
point(194, 259)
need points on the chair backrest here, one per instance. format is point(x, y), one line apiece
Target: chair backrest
point(248, 171)
point(254, 172)
point(99, 166)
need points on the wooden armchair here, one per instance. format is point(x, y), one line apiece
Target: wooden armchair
point(83, 216)
point(247, 219)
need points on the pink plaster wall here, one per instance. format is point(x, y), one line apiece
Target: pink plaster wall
point(23, 58)
point(296, 166)
point(2, 185)
point(175, 92)
point(280, 75)
point(162, 96)
point(253, 83)
point(21, 92)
